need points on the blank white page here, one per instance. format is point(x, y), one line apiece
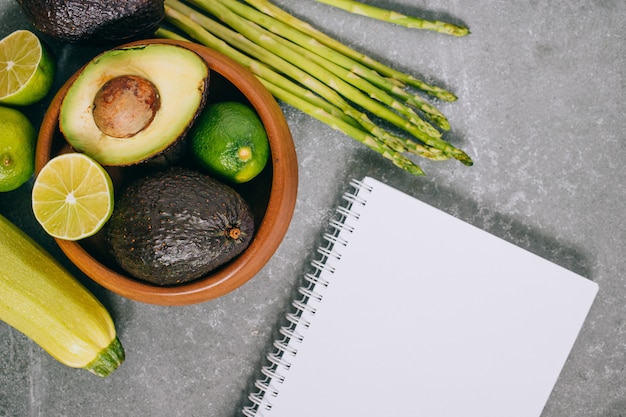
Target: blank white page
point(427, 315)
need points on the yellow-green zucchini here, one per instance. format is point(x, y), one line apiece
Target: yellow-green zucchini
point(41, 299)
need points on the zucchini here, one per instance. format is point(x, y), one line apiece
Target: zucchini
point(41, 299)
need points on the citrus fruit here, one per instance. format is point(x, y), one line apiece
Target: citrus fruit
point(26, 69)
point(72, 196)
point(17, 149)
point(229, 140)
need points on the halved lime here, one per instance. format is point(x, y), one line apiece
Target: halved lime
point(26, 69)
point(72, 196)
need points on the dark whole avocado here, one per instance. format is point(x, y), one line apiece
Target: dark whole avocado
point(83, 21)
point(177, 225)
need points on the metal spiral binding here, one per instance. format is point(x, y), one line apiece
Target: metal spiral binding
point(316, 280)
point(283, 346)
point(311, 292)
point(335, 240)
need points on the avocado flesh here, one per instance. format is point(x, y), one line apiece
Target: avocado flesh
point(177, 225)
point(179, 75)
point(84, 21)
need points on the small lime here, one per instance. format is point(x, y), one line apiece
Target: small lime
point(17, 149)
point(229, 140)
point(72, 196)
point(26, 69)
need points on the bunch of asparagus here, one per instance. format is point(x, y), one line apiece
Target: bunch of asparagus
point(322, 77)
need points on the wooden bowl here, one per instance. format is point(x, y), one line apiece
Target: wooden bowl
point(272, 194)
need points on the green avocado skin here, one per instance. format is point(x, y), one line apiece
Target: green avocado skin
point(173, 226)
point(82, 21)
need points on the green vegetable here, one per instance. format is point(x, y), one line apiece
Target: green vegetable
point(302, 98)
point(42, 300)
point(321, 77)
point(399, 77)
point(397, 18)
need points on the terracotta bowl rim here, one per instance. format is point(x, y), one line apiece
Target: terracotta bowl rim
point(271, 230)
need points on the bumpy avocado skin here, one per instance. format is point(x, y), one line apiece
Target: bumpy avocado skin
point(177, 225)
point(82, 21)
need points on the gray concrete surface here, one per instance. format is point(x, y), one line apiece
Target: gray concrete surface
point(541, 88)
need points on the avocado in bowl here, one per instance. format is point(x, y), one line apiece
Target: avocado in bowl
point(132, 104)
point(271, 195)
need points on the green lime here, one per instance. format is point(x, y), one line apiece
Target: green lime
point(26, 69)
point(72, 196)
point(17, 149)
point(229, 140)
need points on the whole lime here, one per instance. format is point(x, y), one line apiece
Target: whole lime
point(228, 140)
point(17, 149)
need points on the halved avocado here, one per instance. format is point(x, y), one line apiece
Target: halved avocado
point(132, 104)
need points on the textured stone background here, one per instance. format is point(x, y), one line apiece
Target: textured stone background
point(541, 88)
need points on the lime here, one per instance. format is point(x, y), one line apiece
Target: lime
point(26, 69)
point(229, 140)
point(72, 196)
point(17, 149)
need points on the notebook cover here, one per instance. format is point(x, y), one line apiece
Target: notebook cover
point(427, 315)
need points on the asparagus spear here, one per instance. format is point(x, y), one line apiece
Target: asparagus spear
point(337, 123)
point(373, 91)
point(362, 84)
point(161, 32)
point(237, 40)
point(269, 45)
point(390, 16)
point(300, 97)
point(212, 34)
point(327, 54)
point(265, 64)
point(175, 14)
point(272, 10)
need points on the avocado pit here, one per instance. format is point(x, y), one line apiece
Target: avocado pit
point(134, 104)
point(125, 105)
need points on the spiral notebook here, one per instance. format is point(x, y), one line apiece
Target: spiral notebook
point(411, 311)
